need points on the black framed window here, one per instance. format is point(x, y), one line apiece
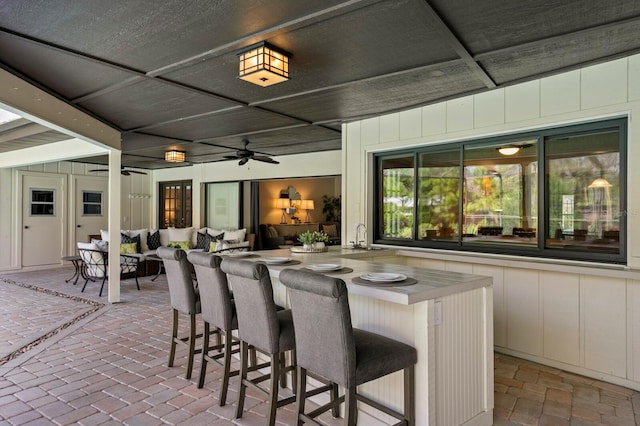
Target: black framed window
point(175, 204)
point(91, 203)
point(43, 202)
point(557, 192)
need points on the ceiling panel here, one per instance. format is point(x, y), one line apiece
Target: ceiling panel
point(566, 52)
point(68, 75)
point(151, 101)
point(494, 24)
point(385, 94)
point(226, 123)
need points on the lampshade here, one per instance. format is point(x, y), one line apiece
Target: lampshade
point(282, 203)
point(307, 205)
point(264, 64)
point(600, 183)
point(174, 156)
point(509, 150)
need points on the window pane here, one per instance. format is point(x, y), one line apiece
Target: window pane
point(42, 196)
point(439, 195)
point(92, 197)
point(500, 194)
point(583, 178)
point(397, 197)
point(42, 209)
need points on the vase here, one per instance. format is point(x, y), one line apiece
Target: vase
point(318, 245)
point(307, 246)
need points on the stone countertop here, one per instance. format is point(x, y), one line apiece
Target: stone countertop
point(431, 283)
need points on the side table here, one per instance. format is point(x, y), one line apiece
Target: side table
point(78, 268)
point(156, 258)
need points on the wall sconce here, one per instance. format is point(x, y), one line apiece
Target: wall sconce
point(174, 156)
point(284, 204)
point(307, 205)
point(264, 64)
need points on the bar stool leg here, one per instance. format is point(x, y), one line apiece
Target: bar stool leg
point(174, 336)
point(273, 397)
point(409, 395)
point(192, 345)
point(350, 406)
point(228, 340)
point(205, 349)
point(243, 377)
point(301, 398)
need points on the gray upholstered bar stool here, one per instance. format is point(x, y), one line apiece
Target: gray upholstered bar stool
point(184, 299)
point(328, 345)
point(262, 326)
point(218, 310)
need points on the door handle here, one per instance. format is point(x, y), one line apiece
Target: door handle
point(26, 227)
point(79, 226)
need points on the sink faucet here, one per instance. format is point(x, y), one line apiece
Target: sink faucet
point(358, 243)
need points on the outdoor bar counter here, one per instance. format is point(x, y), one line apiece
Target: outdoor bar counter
point(446, 316)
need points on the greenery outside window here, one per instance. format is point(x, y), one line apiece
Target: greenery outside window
point(557, 193)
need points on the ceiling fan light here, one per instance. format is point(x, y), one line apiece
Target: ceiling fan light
point(508, 150)
point(263, 64)
point(174, 156)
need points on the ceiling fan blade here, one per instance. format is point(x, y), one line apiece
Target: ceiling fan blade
point(125, 173)
point(99, 170)
point(265, 159)
point(230, 157)
point(243, 161)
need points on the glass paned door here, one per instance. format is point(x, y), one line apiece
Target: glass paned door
point(175, 204)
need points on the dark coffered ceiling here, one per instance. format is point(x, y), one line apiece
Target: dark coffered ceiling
point(164, 72)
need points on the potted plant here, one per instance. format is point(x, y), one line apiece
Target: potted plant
point(313, 239)
point(331, 208)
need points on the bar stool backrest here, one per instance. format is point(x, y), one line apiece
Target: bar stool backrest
point(181, 290)
point(256, 310)
point(322, 322)
point(215, 297)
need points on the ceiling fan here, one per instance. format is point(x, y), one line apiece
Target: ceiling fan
point(123, 171)
point(245, 155)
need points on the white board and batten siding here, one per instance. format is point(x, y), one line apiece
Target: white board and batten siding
point(581, 319)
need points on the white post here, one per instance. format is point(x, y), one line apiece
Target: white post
point(114, 225)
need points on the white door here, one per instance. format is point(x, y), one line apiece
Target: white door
point(91, 214)
point(43, 212)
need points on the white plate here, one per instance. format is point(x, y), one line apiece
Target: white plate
point(383, 276)
point(276, 259)
point(238, 254)
point(324, 267)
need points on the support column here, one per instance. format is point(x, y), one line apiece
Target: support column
point(115, 189)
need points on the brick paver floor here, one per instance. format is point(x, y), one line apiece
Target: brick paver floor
point(84, 361)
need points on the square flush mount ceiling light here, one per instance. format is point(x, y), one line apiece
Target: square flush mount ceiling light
point(264, 64)
point(174, 156)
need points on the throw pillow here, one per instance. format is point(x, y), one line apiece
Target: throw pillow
point(203, 240)
point(125, 239)
point(272, 232)
point(229, 246)
point(153, 240)
point(128, 248)
point(330, 230)
point(235, 235)
point(102, 244)
point(183, 245)
point(181, 234)
point(143, 237)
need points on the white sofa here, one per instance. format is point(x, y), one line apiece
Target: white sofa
point(227, 240)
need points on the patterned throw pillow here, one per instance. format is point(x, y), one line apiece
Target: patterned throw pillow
point(125, 239)
point(128, 248)
point(272, 232)
point(203, 241)
point(184, 245)
point(102, 244)
point(153, 240)
point(330, 230)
